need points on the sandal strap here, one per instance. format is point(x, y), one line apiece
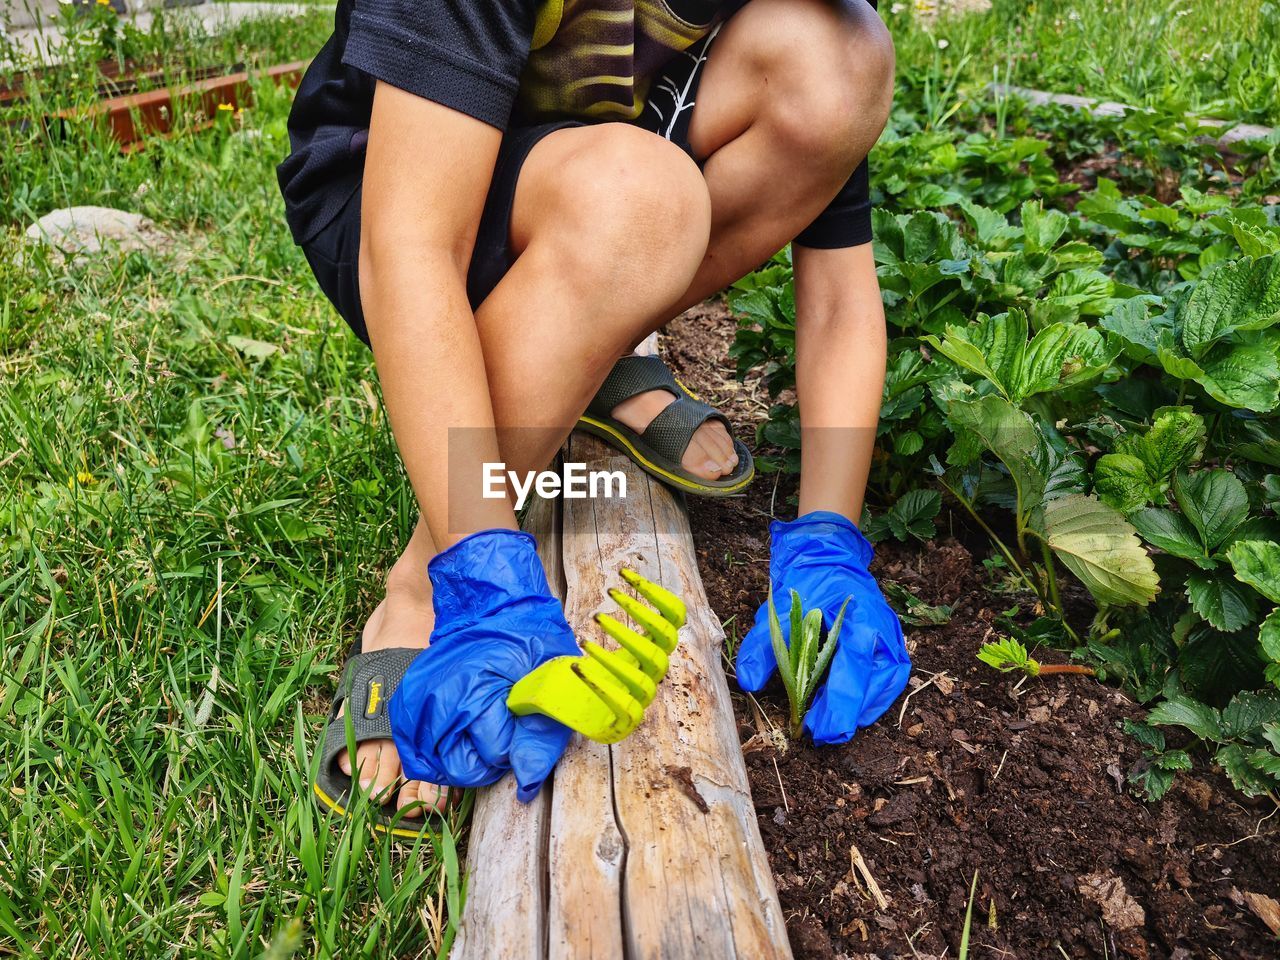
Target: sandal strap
point(672, 430)
point(631, 376)
point(368, 681)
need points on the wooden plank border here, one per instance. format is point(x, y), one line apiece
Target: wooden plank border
point(648, 849)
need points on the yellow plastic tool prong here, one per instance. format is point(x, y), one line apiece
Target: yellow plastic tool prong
point(667, 603)
point(640, 686)
point(558, 690)
point(649, 657)
point(609, 690)
point(660, 630)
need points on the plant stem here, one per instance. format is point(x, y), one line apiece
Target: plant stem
point(994, 539)
point(1054, 596)
point(1077, 668)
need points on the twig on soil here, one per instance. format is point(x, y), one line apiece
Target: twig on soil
point(1001, 767)
point(860, 865)
point(785, 806)
point(905, 700)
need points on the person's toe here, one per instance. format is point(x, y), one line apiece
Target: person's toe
point(378, 766)
point(427, 797)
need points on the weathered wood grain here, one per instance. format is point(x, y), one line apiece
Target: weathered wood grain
point(505, 914)
point(648, 849)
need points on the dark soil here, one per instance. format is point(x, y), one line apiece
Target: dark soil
point(1022, 782)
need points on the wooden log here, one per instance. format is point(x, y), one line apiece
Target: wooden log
point(650, 848)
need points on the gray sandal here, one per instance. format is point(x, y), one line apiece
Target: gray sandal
point(368, 681)
point(660, 447)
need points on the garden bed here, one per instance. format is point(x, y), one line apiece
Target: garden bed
point(1023, 782)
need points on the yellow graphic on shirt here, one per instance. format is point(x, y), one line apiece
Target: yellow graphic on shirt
point(594, 59)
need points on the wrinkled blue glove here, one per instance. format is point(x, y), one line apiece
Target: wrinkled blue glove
point(824, 558)
point(495, 621)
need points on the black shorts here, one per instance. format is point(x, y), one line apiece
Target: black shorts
point(334, 252)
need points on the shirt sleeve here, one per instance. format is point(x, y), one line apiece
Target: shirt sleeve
point(847, 220)
point(464, 54)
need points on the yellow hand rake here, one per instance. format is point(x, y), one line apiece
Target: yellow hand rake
point(603, 694)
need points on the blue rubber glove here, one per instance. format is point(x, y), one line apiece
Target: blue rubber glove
point(495, 621)
point(824, 558)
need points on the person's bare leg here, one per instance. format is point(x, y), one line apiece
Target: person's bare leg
point(596, 210)
point(794, 95)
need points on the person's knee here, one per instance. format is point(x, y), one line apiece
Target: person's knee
point(839, 73)
point(635, 214)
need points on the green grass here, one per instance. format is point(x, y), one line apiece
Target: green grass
point(199, 494)
point(1217, 59)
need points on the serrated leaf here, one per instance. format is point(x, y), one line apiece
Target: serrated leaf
point(1247, 778)
point(1099, 546)
point(253, 349)
point(1151, 781)
point(1145, 734)
point(1012, 436)
point(1172, 533)
point(992, 348)
point(1121, 480)
point(1269, 635)
point(1174, 760)
point(1257, 563)
point(1233, 295)
point(1214, 665)
point(1214, 501)
point(1244, 375)
point(1061, 355)
point(1043, 228)
point(1179, 711)
point(1175, 440)
point(1248, 712)
point(1222, 601)
point(1130, 320)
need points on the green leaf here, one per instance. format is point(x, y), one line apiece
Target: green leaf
point(1247, 778)
point(992, 348)
point(253, 349)
point(914, 513)
point(1150, 780)
point(1233, 295)
point(1100, 547)
point(912, 610)
point(1179, 711)
point(1215, 665)
point(991, 227)
point(1244, 375)
point(1172, 533)
point(1061, 355)
point(1257, 563)
point(1248, 712)
point(1214, 501)
point(1175, 440)
point(1222, 601)
point(1121, 480)
point(1130, 321)
point(780, 652)
point(1043, 228)
point(1269, 636)
point(1013, 437)
point(1145, 734)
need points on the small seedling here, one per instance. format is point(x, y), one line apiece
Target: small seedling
point(1008, 655)
point(803, 665)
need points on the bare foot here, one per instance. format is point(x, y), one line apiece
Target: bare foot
point(403, 619)
point(710, 454)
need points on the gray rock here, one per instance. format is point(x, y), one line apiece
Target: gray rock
point(90, 230)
